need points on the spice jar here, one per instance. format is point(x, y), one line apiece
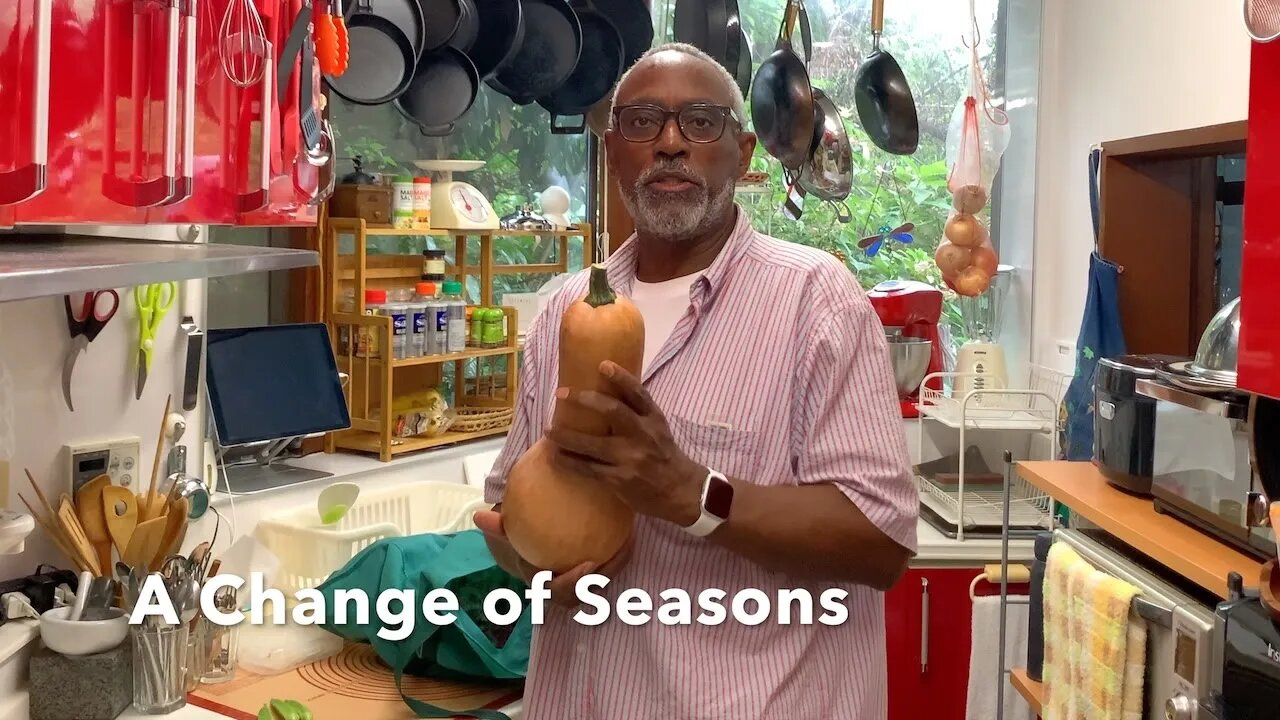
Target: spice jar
point(494, 332)
point(422, 203)
point(433, 266)
point(402, 202)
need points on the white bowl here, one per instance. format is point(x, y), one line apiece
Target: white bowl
point(85, 637)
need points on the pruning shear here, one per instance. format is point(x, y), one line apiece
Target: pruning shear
point(84, 328)
point(153, 302)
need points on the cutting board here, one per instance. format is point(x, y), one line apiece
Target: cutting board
point(353, 683)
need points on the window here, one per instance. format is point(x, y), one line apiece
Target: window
point(928, 39)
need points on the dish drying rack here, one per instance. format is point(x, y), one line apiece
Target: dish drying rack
point(970, 497)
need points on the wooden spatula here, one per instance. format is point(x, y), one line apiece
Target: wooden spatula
point(143, 544)
point(77, 540)
point(175, 525)
point(120, 512)
point(89, 510)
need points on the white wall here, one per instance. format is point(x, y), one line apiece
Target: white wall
point(1112, 70)
point(35, 422)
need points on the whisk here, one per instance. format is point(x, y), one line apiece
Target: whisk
point(243, 46)
point(1262, 19)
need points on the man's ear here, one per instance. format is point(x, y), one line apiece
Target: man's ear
point(610, 141)
point(746, 150)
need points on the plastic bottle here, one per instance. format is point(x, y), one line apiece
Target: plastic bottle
point(457, 313)
point(418, 319)
point(375, 301)
point(437, 319)
point(400, 329)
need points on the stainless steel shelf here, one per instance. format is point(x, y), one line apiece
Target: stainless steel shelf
point(49, 265)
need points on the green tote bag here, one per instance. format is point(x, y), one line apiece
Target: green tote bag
point(471, 648)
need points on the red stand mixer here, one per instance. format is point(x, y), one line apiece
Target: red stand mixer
point(910, 312)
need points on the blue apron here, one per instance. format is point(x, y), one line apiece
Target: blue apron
point(1101, 336)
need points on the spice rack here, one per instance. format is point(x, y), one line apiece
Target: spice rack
point(485, 380)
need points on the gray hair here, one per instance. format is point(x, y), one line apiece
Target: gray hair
point(738, 103)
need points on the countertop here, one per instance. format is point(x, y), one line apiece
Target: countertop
point(1194, 555)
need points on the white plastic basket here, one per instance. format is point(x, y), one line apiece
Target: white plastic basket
point(309, 551)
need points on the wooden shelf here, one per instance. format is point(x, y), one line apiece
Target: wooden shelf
point(1133, 520)
point(372, 441)
point(1030, 690)
point(437, 359)
point(444, 232)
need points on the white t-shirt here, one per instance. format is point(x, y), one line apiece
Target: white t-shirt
point(662, 304)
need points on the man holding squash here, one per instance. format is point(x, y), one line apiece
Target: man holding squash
point(741, 438)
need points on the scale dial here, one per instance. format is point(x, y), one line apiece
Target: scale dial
point(468, 203)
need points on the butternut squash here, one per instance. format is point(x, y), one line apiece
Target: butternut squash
point(555, 519)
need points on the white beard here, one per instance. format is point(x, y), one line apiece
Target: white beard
point(675, 217)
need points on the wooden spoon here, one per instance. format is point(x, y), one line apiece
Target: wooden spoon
point(92, 519)
point(120, 511)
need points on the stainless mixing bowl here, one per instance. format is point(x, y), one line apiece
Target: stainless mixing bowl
point(1216, 355)
point(910, 359)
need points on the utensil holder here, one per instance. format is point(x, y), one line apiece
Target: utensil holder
point(217, 651)
point(195, 655)
point(159, 668)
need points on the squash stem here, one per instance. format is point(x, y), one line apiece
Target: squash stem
point(600, 293)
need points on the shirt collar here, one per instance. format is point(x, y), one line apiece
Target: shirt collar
point(621, 267)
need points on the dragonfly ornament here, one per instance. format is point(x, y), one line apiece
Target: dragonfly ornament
point(872, 243)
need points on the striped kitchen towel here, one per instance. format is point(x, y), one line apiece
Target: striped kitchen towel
point(1094, 644)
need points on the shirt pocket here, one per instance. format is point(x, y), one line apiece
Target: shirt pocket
point(730, 450)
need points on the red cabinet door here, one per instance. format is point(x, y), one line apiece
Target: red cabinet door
point(928, 619)
point(24, 95)
point(1259, 346)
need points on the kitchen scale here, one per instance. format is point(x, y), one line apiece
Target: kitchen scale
point(456, 205)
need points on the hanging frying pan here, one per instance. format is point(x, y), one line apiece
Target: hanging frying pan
point(407, 15)
point(503, 23)
point(743, 72)
point(883, 97)
point(381, 63)
point(828, 174)
point(782, 106)
point(634, 22)
point(547, 55)
point(704, 24)
point(468, 26)
point(598, 69)
point(444, 88)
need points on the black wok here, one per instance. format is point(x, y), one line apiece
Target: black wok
point(782, 106)
point(883, 97)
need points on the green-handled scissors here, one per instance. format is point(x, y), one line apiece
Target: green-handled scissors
point(152, 301)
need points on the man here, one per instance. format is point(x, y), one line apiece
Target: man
point(767, 388)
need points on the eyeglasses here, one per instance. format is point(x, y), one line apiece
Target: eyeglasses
point(699, 123)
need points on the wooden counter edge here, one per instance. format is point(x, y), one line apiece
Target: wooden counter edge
point(1213, 559)
point(1030, 690)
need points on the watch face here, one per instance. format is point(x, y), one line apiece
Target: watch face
point(719, 498)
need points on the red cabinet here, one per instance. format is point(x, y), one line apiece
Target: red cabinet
point(1259, 348)
point(928, 628)
point(124, 114)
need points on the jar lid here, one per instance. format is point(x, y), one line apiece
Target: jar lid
point(423, 180)
point(453, 287)
point(403, 179)
point(433, 253)
point(375, 296)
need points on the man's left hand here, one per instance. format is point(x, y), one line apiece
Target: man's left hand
point(639, 459)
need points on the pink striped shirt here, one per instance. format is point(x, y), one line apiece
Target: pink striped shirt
point(778, 374)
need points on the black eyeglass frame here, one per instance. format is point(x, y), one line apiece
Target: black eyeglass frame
point(724, 110)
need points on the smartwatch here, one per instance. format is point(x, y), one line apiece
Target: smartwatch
point(717, 498)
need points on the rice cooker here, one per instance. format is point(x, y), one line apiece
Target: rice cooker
point(1124, 422)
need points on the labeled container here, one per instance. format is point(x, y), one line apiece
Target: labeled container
point(399, 314)
point(347, 305)
point(367, 337)
point(402, 202)
point(433, 266)
point(422, 203)
point(493, 333)
point(418, 326)
point(475, 324)
point(457, 313)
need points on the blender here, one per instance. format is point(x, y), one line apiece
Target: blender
point(980, 362)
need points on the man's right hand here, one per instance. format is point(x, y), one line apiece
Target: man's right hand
point(561, 586)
